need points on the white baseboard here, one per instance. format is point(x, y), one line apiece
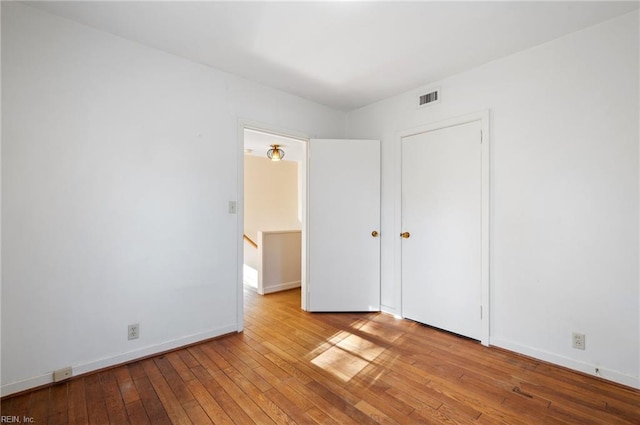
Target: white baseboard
point(603, 372)
point(280, 287)
point(390, 310)
point(36, 381)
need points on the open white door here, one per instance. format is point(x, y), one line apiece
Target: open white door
point(344, 225)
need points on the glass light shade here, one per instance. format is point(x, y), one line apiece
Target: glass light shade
point(275, 153)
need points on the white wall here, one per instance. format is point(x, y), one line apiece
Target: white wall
point(279, 260)
point(118, 162)
point(270, 198)
point(564, 193)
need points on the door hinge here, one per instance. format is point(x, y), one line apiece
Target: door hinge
point(481, 138)
point(481, 312)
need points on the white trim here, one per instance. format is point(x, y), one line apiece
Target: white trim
point(281, 287)
point(483, 117)
point(588, 368)
point(388, 309)
point(119, 359)
point(279, 232)
point(240, 227)
point(265, 128)
point(304, 139)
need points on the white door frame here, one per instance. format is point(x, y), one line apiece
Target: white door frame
point(244, 124)
point(483, 117)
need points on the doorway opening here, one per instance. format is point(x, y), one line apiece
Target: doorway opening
point(274, 211)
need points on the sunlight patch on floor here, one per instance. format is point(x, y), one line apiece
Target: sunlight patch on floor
point(249, 276)
point(361, 347)
point(340, 363)
point(377, 326)
point(345, 355)
point(382, 332)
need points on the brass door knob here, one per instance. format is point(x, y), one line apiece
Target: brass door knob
point(375, 233)
point(405, 235)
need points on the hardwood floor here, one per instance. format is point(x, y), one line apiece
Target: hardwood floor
point(295, 367)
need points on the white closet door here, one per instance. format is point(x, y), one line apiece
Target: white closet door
point(442, 212)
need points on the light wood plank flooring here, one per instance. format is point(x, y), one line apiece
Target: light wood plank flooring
point(294, 367)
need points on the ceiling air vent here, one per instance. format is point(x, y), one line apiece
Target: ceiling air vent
point(428, 98)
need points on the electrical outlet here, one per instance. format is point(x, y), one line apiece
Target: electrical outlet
point(62, 374)
point(578, 341)
point(133, 331)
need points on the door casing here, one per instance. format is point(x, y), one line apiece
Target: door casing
point(243, 125)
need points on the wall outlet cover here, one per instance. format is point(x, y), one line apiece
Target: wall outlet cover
point(62, 374)
point(578, 340)
point(133, 331)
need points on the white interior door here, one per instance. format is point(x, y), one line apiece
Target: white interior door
point(442, 211)
point(344, 218)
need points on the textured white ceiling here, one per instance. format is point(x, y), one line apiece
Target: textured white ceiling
point(341, 54)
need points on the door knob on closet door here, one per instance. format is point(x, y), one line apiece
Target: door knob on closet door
point(405, 235)
point(375, 233)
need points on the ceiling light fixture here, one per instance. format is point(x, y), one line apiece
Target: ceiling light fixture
point(275, 153)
